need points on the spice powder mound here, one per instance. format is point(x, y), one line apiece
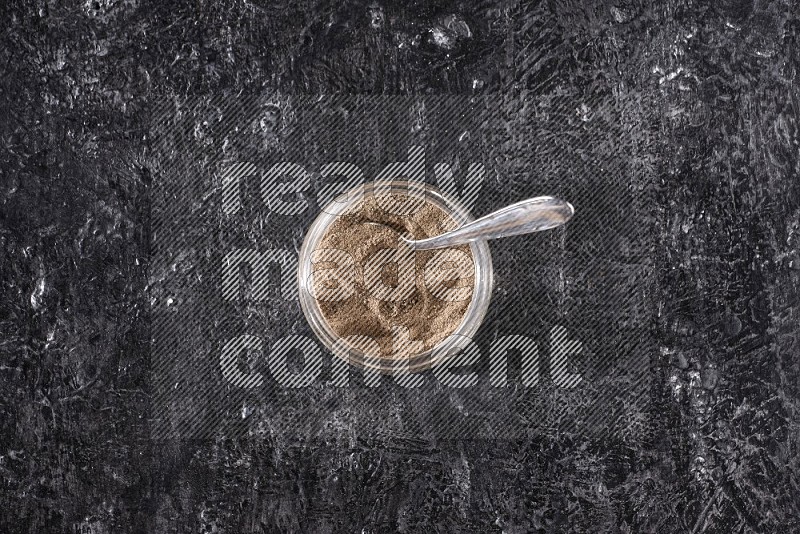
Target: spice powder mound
point(424, 318)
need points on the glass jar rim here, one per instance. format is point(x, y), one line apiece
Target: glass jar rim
point(461, 336)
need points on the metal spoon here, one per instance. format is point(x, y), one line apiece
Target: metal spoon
point(525, 217)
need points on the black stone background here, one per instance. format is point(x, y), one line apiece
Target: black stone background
point(721, 452)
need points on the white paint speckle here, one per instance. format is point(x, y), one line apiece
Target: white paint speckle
point(38, 293)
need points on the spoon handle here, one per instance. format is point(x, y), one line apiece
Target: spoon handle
point(528, 216)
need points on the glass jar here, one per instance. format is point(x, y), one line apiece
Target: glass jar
point(341, 348)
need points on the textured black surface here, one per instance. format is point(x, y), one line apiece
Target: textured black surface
point(721, 450)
